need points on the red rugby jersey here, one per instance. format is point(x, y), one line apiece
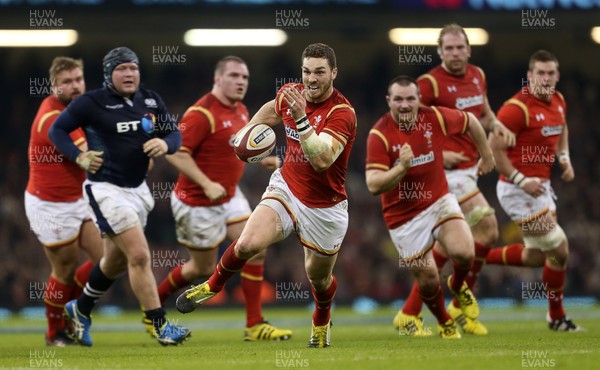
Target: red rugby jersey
point(425, 182)
point(538, 125)
point(207, 129)
point(466, 92)
point(52, 176)
point(335, 116)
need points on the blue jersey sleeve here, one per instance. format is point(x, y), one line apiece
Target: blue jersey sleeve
point(59, 134)
point(169, 131)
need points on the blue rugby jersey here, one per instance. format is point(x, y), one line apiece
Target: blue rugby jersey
point(119, 127)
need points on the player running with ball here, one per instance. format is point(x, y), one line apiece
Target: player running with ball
point(306, 195)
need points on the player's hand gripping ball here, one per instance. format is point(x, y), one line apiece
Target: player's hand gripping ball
point(254, 142)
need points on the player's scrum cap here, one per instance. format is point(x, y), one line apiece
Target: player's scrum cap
point(115, 57)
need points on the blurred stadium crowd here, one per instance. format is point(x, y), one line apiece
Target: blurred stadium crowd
point(368, 263)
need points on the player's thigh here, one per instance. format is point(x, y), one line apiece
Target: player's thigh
point(63, 260)
point(455, 236)
point(237, 212)
point(262, 229)
point(132, 242)
point(481, 218)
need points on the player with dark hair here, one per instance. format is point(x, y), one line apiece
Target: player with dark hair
point(537, 114)
point(125, 126)
point(207, 202)
point(405, 166)
point(54, 202)
point(307, 194)
point(460, 85)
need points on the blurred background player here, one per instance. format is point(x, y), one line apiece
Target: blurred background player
point(119, 121)
point(405, 165)
point(307, 195)
point(459, 85)
point(537, 114)
point(54, 204)
point(207, 202)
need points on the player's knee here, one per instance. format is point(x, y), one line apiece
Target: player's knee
point(65, 268)
point(320, 283)
point(428, 281)
point(247, 246)
point(462, 252)
point(139, 257)
point(486, 232)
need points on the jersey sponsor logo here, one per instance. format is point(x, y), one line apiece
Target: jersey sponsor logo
point(150, 103)
point(148, 122)
point(551, 130)
point(127, 126)
point(116, 106)
point(451, 88)
point(422, 159)
point(227, 123)
point(469, 101)
point(318, 119)
point(540, 117)
point(291, 133)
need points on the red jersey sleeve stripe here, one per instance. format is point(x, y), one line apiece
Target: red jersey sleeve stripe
point(521, 105)
point(338, 107)
point(466, 123)
point(185, 149)
point(434, 84)
point(45, 118)
point(381, 136)
point(79, 141)
point(562, 98)
point(338, 137)
point(377, 166)
point(440, 119)
point(207, 113)
point(278, 105)
point(482, 73)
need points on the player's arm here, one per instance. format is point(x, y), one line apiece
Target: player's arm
point(59, 134)
point(381, 181)
point(475, 130)
point(531, 185)
point(266, 115)
point(490, 123)
point(183, 161)
point(564, 160)
point(169, 137)
point(322, 149)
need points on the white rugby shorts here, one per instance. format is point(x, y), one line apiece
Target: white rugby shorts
point(55, 223)
point(414, 238)
point(205, 227)
point(116, 209)
point(321, 230)
point(520, 206)
point(463, 183)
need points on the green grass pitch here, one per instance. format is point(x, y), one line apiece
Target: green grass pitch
point(518, 339)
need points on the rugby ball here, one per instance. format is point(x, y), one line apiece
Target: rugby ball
point(254, 142)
